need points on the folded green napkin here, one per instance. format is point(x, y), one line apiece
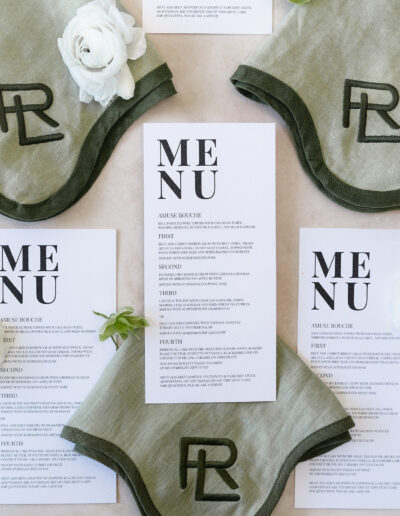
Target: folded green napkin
point(52, 145)
point(331, 70)
point(202, 459)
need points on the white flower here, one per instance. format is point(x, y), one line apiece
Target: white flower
point(3, 345)
point(96, 46)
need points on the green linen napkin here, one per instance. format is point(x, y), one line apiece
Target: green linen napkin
point(201, 459)
point(332, 71)
point(53, 146)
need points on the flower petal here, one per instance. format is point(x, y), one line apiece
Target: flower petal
point(84, 96)
point(124, 22)
point(105, 92)
point(126, 83)
point(129, 19)
point(95, 46)
point(138, 46)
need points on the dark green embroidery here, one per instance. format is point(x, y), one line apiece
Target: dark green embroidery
point(202, 464)
point(19, 109)
point(364, 106)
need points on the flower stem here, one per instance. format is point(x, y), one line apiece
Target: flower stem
point(115, 342)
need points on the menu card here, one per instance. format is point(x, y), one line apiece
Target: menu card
point(208, 16)
point(210, 294)
point(50, 281)
point(349, 333)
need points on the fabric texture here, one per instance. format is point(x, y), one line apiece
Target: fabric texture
point(53, 146)
point(331, 70)
point(197, 459)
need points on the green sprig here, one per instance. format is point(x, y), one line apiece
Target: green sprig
point(120, 325)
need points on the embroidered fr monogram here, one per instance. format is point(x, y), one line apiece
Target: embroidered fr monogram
point(365, 106)
point(202, 464)
point(19, 109)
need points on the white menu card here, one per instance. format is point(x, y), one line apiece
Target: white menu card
point(50, 281)
point(208, 16)
point(210, 294)
point(349, 333)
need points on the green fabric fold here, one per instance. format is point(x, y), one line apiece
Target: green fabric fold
point(332, 76)
point(146, 444)
point(53, 147)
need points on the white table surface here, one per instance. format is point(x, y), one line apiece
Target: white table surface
point(202, 66)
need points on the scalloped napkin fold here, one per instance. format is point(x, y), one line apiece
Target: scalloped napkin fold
point(52, 145)
point(202, 459)
point(331, 70)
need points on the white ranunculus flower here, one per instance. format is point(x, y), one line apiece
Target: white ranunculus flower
point(4, 346)
point(96, 46)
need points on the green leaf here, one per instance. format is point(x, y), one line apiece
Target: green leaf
point(124, 320)
point(107, 333)
point(125, 310)
point(300, 2)
point(100, 314)
point(139, 322)
point(120, 324)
